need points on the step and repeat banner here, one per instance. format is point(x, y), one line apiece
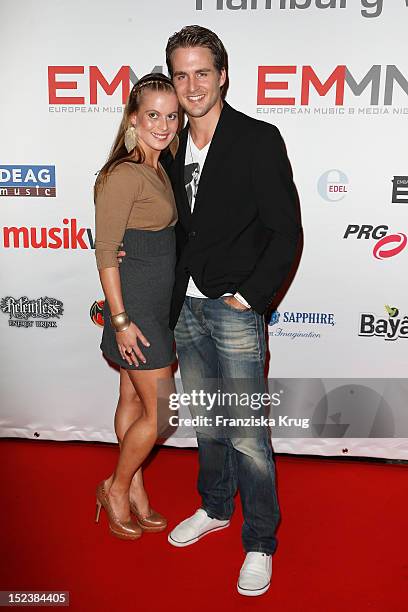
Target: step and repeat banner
point(333, 76)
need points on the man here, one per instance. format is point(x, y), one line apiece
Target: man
point(238, 233)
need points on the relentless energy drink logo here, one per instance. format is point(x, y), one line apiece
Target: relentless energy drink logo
point(22, 310)
point(96, 313)
point(390, 328)
point(28, 181)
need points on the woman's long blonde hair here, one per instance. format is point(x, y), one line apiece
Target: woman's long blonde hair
point(155, 81)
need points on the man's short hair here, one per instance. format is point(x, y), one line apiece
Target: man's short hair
point(198, 36)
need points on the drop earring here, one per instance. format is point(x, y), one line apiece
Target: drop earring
point(130, 138)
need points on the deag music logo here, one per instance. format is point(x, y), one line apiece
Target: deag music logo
point(387, 245)
point(333, 185)
point(22, 310)
point(28, 181)
point(390, 328)
point(278, 323)
point(68, 237)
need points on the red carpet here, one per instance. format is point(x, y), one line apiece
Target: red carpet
point(343, 539)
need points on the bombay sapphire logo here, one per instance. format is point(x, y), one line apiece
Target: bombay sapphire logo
point(273, 318)
point(333, 185)
point(292, 324)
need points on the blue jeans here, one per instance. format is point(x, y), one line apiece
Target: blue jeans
point(217, 342)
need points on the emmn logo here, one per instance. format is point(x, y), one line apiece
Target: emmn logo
point(379, 81)
point(90, 81)
point(27, 181)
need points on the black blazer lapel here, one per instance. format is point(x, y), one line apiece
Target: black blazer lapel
point(181, 194)
point(225, 134)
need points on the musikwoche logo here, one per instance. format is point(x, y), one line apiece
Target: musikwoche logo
point(70, 236)
point(96, 312)
point(400, 190)
point(26, 312)
point(298, 318)
point(387, 244)
point(28, 181)
point(391, 328)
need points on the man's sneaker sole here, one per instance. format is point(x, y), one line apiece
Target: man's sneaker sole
point(194, 540)
point(253, 592)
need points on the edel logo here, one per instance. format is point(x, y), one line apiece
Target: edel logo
point(333, 185)
point(96, 313)
point(303, 79)
point(27, 181)
point(388, 245)
point(90, 81)
point(69, 237)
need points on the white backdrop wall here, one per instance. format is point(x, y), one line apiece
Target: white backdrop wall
point(332, 76)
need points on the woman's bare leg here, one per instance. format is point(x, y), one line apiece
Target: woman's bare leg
point(128, 410)
point(138, 439)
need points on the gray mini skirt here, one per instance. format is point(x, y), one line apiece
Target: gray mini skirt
point(147, 278)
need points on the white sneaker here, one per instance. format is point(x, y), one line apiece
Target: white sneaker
point(195, 527)
point(255, 575)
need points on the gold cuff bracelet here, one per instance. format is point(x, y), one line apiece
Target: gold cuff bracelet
point(120, 322)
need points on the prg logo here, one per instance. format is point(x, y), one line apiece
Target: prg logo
point(387, 245)
point(27, 181)
point(333, 185)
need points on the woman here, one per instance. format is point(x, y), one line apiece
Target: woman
point(135, 205)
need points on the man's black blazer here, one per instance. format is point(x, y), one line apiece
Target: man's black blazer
point(245, 228)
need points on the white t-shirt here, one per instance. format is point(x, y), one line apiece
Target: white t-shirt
point(193, 166)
